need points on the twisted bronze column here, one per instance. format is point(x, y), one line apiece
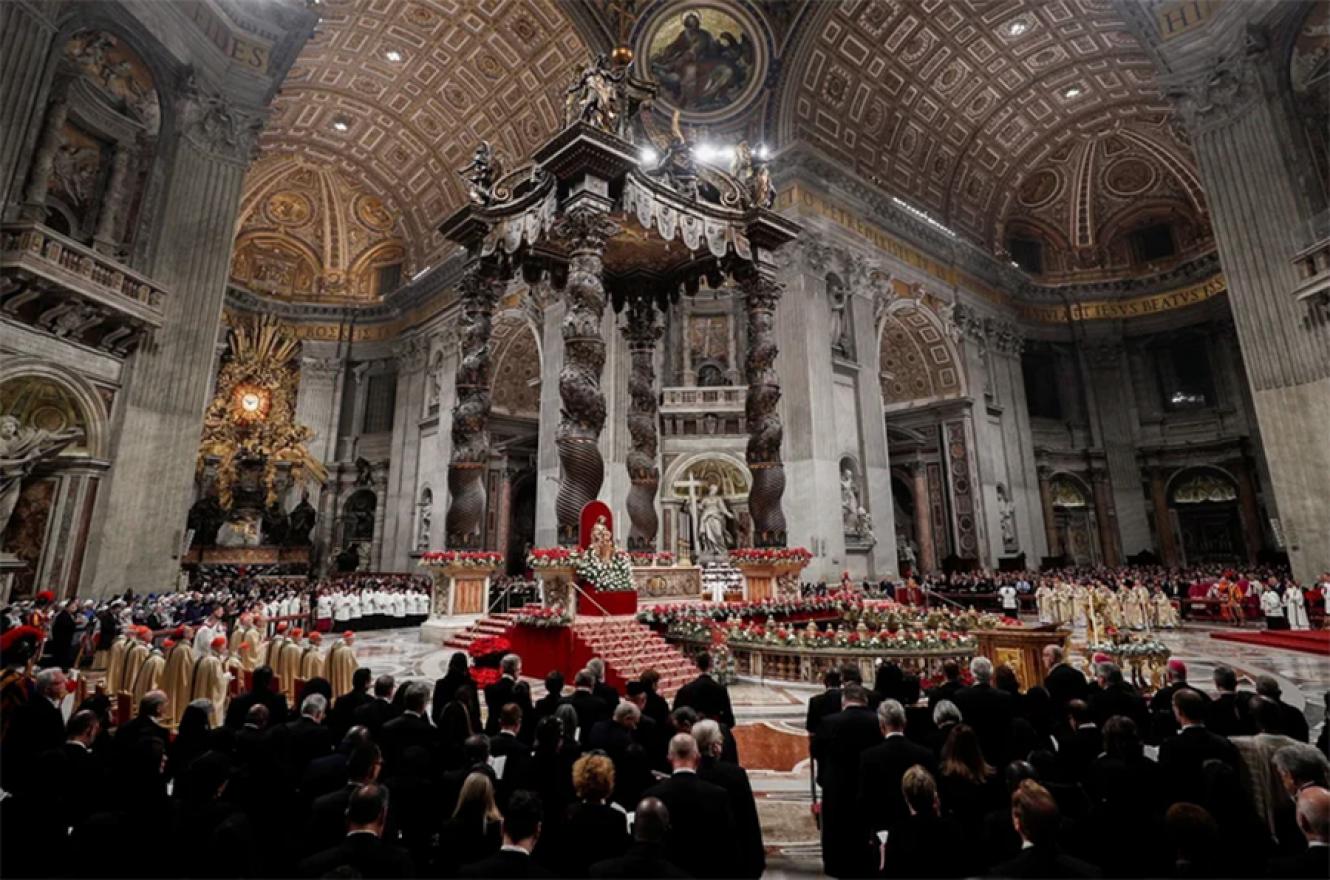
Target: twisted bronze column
point(479, 291)
point(582, 469)
point(761, 292)
point(642, 330)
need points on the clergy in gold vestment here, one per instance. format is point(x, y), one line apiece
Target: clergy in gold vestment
point(149, 677)
point(341, 664)
point(177, 677)
point(115, 664)
point(311, 662)
point(210, 679)
point(287, 669)
point(245, 643)
point(135, 657)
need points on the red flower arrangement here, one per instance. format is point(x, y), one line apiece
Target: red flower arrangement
point(550, 557)
point(462, 558)
point(483, 676)
point(489, 646)
point(543, 618)
point(663, 558)
point(770, 555)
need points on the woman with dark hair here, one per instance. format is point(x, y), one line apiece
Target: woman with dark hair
point(193, 738)
point(967, 785)
point(887, 682)
point(445, 690)
point(657, 709)
point(1126, 802)
point(1004, 679)
point(1224, 798)
point(522, 697)
point(455, 722)
point(550, 775)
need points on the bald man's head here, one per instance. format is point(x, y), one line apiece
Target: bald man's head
point(651, 822)
point(1314, 814)
point(683, 751)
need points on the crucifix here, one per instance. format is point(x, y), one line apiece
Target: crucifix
point(690, 484)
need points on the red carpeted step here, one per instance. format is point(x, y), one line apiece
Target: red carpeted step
point(1310, 641)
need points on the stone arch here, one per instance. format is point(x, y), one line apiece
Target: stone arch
point(516, 374)
point(917, 361)
point(75, 388)
point(683, 464)
point(358, 514)
point(1075, 492)
point(1203, 484)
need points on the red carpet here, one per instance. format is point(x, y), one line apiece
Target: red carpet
point(1313, 641)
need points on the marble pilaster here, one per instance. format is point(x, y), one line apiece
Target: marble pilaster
point(1115, 413)
point(404, 457)
point(26, 34)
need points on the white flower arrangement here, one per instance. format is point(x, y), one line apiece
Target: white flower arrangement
point(612, 576)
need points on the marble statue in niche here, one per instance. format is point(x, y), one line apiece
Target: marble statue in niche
point(849, 500)
point(22, 448)
point(710, 512)
point(1007, 520)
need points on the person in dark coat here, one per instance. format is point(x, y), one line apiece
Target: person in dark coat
point(305, 739)
point(1228, 714)
point(510, 753)
point(1162, 722)
point(37, 727)
point(326, 823)
point(701, 840)
point(502, 692)
point(362, 849)
point(521, 831)
point(656, 708)
point(343, 714)
point(837, 746)
point(1062, 682)
point(1082, 743)
point(882, 767)
point(593, 829)
point(646, 857)
point(705, 695)
point(1293, 723)
point(591, 709)
point(602, 688)
point(74, 784)
point(410, 729)
point(380, 710)
point(1313, 812)
point(988, 710)
point(750, 858)
point(922, 843)
point(548, 704)
point(261, 692)
point(62, 637)
point(445, 690)
point(823, 704)
point(1182, 757)
point(1035, 815)
point(951, 683)
point(1116, 697)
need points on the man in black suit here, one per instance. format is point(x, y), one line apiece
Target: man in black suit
point(823, 704)
point(380, 710)
point(252, 743)
point(705, 695)
point(1083, 742)
point(1313, 811)
point(547, 704)
point(591, 709)
point(521, 830)
point(1116, 697)
point(327, 815)
point(951, 673)
point(1182, 757)
point(1228, 711)
point(62, 636)
point(305, 739)
point(646, 857)
point(501, 693)
point(475, 759)
point(343, 714)
point(837, 746)
point(601, 688)
point(260, 693)
point(1162, 722)
point(701, 840)
point(148, 724)
point(750, 858)
point(73, 779)
point(329, 773)
point(1062, 682)
point(1035, 816)
point(411, 728)
point(882, 767)
point(515, 754)
point(363, 849)
point(37, 727)
point(988, 710)
point(1293, 723)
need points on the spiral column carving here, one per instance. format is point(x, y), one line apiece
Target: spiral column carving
point(479, 291)
point(582, 469)
point(765, 431)
point(642, 330)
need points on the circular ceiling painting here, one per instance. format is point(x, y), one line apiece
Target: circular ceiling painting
point(707, 58)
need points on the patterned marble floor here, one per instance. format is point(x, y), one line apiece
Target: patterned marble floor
point(774, 747)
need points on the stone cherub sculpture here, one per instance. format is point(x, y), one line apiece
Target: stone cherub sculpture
point(21, 450)
point(483, 173)
point(593, 97)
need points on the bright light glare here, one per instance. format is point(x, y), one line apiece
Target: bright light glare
point(393, 55)
point(712, 153)
point(1073, 92)
point(763, 152)
point(648, 156)
point(1016, 28)
point(250, 402)
point(911, 209)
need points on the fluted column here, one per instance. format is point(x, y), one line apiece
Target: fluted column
point(1046, 499)
point(43, 161)
point(316, 402)
point(1246, 137)
point(1168, 545)
point(142, 519)
point(106, 238)
point(470, 432)
point(582, 468)
point(765, 431)
point(642, 330)
point(923, 517)
point(27, 28)
point(1106, 517)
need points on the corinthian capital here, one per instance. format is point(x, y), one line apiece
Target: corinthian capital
point(411, 353)
point(584, 229)
point(1220, 91)
point(216, 126)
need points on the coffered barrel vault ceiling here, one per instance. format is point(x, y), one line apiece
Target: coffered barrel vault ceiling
point(396, 93)
point(947, 103)
point(1038, 118)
